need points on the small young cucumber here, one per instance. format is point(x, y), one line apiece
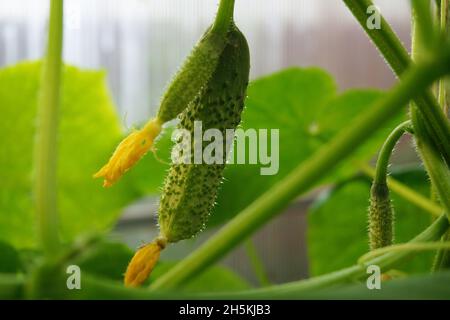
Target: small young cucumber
point(381, 217)
point(190, 190)
point(187, 84)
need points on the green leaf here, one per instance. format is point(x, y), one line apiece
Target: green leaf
point(108, 260)
point(214, 279)
point(304, 106)
point(9, 258)
point(88, 133)
point(337, 224)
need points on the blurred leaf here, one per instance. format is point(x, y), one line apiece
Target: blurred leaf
point(88, 133)
point(108, 260)
point(337, 224)
point(304, 106)
point(216, 278)
point(9, 258)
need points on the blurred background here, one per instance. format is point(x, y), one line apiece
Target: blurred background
point(141, 43)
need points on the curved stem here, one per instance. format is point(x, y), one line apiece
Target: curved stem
point(405, 192)
point(45, 164)
point(385, 262)
point(308, 173)
point(386, 151)
point(397, 57)
point(403, 247)
point(224, 16)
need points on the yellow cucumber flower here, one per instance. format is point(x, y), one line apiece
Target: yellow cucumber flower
point(129, 151)
point(143, 262)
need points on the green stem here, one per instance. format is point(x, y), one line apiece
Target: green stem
point(442, 258)
point(45, 164)
point(297, 288)
point(442, 92)
point(424, 19)
point(224, 16)
point(403, 247)
point(256, 263)
point(94, 288)
point(308, 173)
point(436, 168)
point(386, 151)
point(405, 192)
point(397, 57)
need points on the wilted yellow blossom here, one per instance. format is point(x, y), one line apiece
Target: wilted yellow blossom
point(128, 152)
point(143, 262)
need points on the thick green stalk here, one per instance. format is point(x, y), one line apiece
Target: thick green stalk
point(424, 19)
point(436, 168)
point(442, 258)
point(45, 162)
point(442, 92)
point(224, 16)
point(308, 173)
point(406, 193)
point(397, 57)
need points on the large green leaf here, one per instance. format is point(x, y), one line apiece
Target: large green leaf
point(304, 106)
point(9, 258)
point(88, 132)
point(337, 224)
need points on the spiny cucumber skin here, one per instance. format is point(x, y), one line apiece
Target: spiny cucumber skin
point(190, 190)
point(381, 217)
point(192, 76)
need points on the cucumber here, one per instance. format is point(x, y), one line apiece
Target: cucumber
point(190, 190)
